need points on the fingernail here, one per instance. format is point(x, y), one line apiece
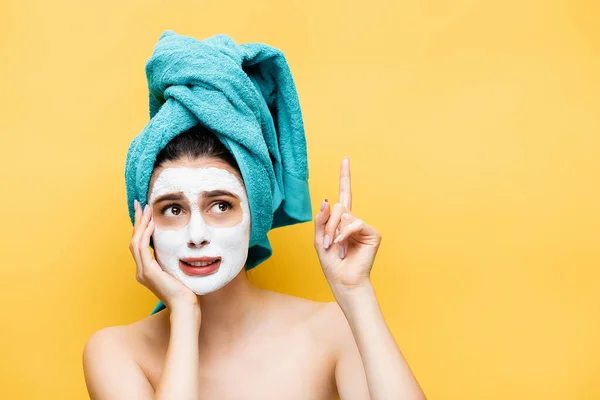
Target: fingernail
point(326, 241)
point(135, 204)
point(323, 204)
point(146, 208)
point(337, 239)
point(342, 251)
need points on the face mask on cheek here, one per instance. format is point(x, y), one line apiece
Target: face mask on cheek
point(229, 243)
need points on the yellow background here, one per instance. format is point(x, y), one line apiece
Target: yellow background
point(472, 129)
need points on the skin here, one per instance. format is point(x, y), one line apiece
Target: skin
point(245, 342)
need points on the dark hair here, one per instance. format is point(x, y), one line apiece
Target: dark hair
point(196, 142)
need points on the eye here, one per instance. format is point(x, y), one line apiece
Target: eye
point(173, 207)
point(223, 206)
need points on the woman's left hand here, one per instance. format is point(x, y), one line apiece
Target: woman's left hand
point(345, 244)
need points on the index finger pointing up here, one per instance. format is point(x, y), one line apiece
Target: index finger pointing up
point(345, 190)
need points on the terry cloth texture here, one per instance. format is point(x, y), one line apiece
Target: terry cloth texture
point(246, 96)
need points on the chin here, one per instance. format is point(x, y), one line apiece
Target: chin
point(208, 284)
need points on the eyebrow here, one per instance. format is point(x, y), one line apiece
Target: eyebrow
point(206, 195)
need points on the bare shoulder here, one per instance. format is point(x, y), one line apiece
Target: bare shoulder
point(112, 344)
point(107, 341)
point(129, 337)
point(109, 364)
point(325, 320)
point(333, 323)
point(294, 308)
point(109, 337)
point(333, 315)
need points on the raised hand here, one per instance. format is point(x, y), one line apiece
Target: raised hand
point(345, 244)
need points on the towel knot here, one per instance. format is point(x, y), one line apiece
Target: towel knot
point(215, 64)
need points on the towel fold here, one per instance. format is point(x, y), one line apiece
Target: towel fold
point(246, 96)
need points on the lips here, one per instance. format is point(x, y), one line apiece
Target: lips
point(211, 268)
point(200, 259)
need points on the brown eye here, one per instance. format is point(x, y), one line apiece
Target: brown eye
point(224, 206)
point(175, 210)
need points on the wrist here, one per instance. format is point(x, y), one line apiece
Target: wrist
point(350, 297)
point(185, 312)
point(186, 303)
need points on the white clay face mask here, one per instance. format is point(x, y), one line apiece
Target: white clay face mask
point(199, 228)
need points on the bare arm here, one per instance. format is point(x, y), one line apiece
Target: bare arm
point(111, 372)
point(347, 246)
point(179, 379)
point(374, 353)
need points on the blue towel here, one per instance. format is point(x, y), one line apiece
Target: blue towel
point(245, 94)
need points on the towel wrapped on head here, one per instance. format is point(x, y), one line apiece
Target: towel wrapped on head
point(246, 96)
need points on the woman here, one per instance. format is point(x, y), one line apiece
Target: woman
point(240, 341)
point(220, 337)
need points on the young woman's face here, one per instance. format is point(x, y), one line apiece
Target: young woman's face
point(200, 209)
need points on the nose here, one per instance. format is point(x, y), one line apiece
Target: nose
point(198, 231)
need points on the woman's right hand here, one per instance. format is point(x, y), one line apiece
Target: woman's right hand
point(171, 291)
